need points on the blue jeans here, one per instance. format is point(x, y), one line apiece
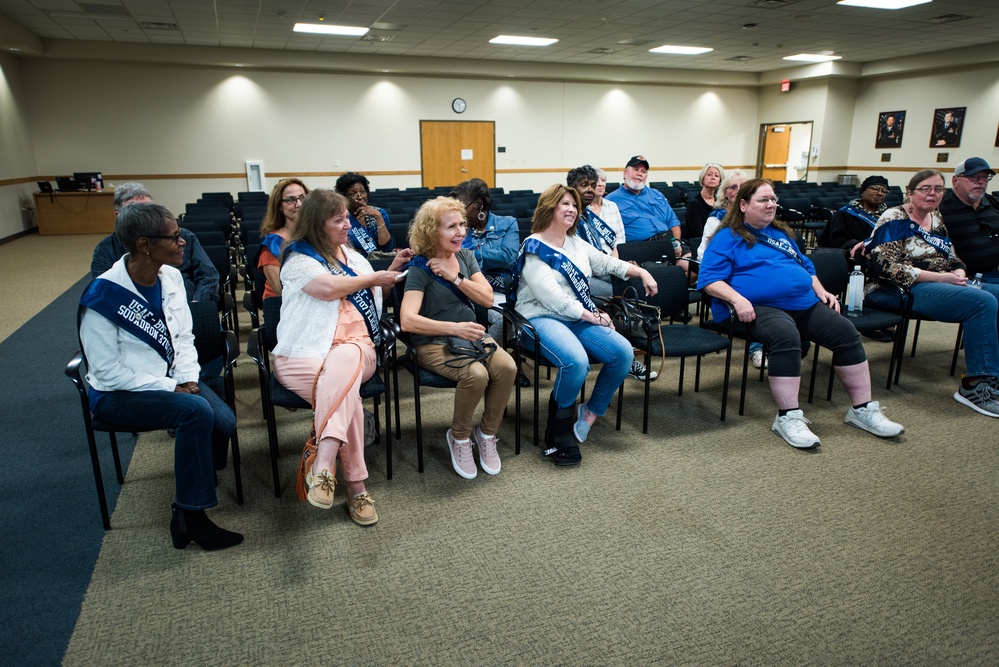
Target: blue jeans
point(976, 309)
point(200, 419)
point(569, 346)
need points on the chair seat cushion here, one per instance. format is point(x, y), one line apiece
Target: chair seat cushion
point(285, 398)
point(428, 378)
point(684, 341)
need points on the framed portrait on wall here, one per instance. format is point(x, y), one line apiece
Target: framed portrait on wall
point(997, 137)
point(890, 126)
point(947, 126)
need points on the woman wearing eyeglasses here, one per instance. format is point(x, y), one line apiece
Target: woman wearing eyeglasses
point(700, 207)
point(911, 249)
point(136, 333)
point(279, 224)
point(754, 265)
point(370, 230)
point(855, 221)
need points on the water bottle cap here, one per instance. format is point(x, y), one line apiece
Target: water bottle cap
point(857, 267)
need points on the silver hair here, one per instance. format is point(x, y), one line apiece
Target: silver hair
point(142, 219)
point(601, 174)
point(722, 201)
point(126, 192)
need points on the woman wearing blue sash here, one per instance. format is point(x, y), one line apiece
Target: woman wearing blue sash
point(442, 285)
point(326, 343)
point(552, 291)
point(136, 333)
point(279, 223)
point(370, 230)
point(754, 264)
point(910, 248)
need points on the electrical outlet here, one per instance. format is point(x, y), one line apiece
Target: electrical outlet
point(336, 163)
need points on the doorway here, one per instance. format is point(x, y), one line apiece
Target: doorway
point(785, 151)
point(453, 152)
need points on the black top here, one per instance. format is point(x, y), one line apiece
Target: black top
point(698, 211)
point(976, 247)
point(439, 302)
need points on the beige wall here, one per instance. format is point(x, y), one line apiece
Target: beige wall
point(16, 157)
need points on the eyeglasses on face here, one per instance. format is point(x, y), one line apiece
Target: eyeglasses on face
point(983, 177)
point(173, 237)
point(927, 189)
point(878, 191)
point(291, 201)
point(766, 200)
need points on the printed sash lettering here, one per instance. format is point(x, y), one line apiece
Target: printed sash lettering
point(899, 230)
point(577, 279)
point(129, 311)
point(781, 244)
point(360, 237)
point(593, 230)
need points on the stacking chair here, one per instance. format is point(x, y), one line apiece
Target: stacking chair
point(649, 333)
point(221, 257)
point(253, 293)
point(273, 393)
point(211, 342)
point(833, 271)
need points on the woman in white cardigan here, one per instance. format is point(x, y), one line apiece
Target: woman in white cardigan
point(553, 293)
point(331, 303)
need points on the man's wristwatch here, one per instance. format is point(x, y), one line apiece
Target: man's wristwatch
point(458, 278)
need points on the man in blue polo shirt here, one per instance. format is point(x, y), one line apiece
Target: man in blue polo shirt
point(646, 212)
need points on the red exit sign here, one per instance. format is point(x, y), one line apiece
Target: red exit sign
point(785, 86)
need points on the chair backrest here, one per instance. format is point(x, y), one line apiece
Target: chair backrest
point(198, 226)
point(272, 315)
point(221, 260)
point(672, 295)
point(210, 237)
point(647, 251)
point(832, 270)
point(213, 208)
point(209, 338)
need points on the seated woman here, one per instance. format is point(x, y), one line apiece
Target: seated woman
point(553, 293)
point(700, 207)
point(910, 248)
point(136, 332)
point(754, 264)
point(607, 210)
point(277, 227)
point(443, 283)
point(326, 342)
point(590, 227)
point(493, 239)
point(370, 230)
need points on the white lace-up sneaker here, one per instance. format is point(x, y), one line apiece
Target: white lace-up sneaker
point(639, 371)
point(870, 418)
point(793, 427)
point(488, 456)
point(759, 361)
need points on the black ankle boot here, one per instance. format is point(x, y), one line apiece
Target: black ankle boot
point(188, 526)
point(560, 446)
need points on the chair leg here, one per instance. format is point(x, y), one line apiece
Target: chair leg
point(98, 478)
point(728, 370)
point(679, 388)
point(815, 369)
point(237, 472)
point(915, 337)
point(958, 344)
point(117, 457)
point(745, 377)
point(419, 420)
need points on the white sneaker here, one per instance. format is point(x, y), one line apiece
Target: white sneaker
point(793, 427)
point(639, 371)
point(462, 459)
point(756, 356)
point(870, 418)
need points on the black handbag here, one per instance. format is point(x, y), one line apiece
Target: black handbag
point(467, 351)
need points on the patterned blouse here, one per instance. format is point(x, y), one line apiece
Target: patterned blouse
point(901, 261)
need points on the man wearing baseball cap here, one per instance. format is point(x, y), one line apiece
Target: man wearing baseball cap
point(646, 212)
point(971, 216)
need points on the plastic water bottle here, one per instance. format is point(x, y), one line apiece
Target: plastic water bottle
point(855, 293)
point(976, 282)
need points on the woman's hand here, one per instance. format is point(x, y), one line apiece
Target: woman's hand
point(469, 330)
point(649, 283)
point(961, 274)
point(441, 269)
point(600, 318)
point(743, 309)
point(187, 388)
point(385, 279)
point(366, 210)
point(854, 249)
point(829, 299)
point(401, 259)
point(953, 278)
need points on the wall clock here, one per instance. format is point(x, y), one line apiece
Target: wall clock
point(458, 105)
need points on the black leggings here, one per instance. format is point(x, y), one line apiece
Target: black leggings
point(781, 332)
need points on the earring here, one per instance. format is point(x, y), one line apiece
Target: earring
point(482, 216)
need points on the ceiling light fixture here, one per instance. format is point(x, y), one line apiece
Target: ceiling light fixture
point(680, 50)
point(883, 4)
point(812, 58)
point(522, 41)
point(330, 29)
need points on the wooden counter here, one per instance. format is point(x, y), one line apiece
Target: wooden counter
point(74, 212)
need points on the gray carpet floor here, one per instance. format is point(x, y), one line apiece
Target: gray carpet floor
point(701, 543)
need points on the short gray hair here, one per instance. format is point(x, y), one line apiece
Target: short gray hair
point(143, 219)
point(126, 192)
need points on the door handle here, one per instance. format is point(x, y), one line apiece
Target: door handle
point(464, 171)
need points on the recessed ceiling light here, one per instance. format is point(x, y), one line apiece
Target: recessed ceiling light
point(522, 41)
point(882, 4)
point(682, 50)
point(812, 58)
point(330, 29)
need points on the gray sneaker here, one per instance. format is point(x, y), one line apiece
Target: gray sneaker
point(980, 398)
point(793, 427)
point(870, 418)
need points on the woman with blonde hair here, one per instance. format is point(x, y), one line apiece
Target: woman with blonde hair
point(443, 286)
point(326, 343)
point(701, 206)
point(552, 291)
point(278, 225)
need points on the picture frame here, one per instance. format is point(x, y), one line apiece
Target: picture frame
point(997, 137)
point(948, 123)
point(889, 130)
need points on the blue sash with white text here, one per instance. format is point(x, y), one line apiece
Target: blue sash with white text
point(360, 237)
point(782, 245)
point(273, 242)
point(577, 279)
point(899, 230)
point(130, 312)
point(421, 262)
point(857, 212)
point(362, 299)
point(593, 230)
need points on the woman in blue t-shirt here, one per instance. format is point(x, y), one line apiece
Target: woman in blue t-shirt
point(754, 265)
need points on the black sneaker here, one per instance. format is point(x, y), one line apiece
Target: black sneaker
point(639, 371)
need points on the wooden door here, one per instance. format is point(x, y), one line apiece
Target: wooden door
point(453, 152)
point(775, 152)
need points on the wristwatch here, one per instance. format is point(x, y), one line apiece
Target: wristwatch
point(458, 278)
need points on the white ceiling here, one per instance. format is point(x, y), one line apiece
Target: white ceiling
point(461, 29)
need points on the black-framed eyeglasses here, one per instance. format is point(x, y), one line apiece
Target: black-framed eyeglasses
point(173, 237)
point(982, 177)
point(291, 201)
point(878, 191)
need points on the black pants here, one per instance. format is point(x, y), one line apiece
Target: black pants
point(781, 332)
